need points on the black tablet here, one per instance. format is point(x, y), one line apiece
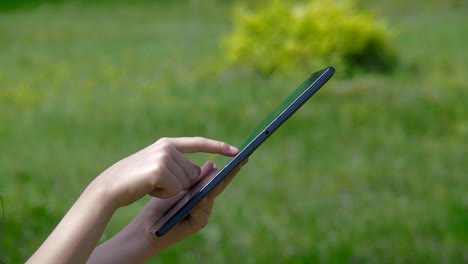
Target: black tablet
point(269, 125)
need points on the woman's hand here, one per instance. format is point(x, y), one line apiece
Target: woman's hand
point(160, 170)
point(137, 242)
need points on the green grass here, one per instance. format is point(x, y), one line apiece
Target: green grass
point(372, 170)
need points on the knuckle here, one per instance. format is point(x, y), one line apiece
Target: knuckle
point(156, 178)
point(198, 138)
point(158, 169)
point(163, 157)
point(223, 145)
point(164, 141)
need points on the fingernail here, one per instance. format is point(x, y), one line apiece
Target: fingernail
point(233, 149)
point(214, 166)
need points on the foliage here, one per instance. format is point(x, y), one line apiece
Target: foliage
point(287, 36)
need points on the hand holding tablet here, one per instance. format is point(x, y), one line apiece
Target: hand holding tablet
point(270, 124)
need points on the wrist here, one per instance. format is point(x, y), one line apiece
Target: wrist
point(101, 197)
point(77, 234)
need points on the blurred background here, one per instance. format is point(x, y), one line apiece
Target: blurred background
point(372, 170)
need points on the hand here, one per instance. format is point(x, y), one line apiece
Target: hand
point(137, 242)
point(195, 221)
point(160, 170)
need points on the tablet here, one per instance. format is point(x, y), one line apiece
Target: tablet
point(269, 125)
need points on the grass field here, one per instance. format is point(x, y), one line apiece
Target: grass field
point(372, 170)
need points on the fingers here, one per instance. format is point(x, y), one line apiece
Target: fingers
point(200, 215)
point(168, 185)
point(180, 173)
point(207, 168)
point(187, 171)
point(200, 144)
point(176, 172)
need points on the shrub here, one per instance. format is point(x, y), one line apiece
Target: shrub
point(288, 36)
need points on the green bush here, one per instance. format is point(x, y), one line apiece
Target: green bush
point(288, 36)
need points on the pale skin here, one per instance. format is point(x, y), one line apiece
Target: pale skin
point(160, 170)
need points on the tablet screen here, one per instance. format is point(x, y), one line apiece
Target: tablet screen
point(281, 107)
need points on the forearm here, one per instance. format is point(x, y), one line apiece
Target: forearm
point(75, 237)
point(160, 170)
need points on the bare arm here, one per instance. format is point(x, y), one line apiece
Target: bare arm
point(137, 242)
point(160, 170)
point(77, 234)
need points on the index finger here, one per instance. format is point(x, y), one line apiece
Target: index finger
point(201, 144)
